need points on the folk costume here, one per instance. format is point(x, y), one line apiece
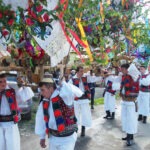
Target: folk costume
point(9, 133)
point(81, 104)
point(55, 117)
point(144, 97)
point(91, 80)
point(109, 96)
point(129, 92)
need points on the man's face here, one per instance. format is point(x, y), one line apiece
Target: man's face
point(142, 70)
point(3, 84)
point(124, 70)
point(46, 92)
point(80, 73)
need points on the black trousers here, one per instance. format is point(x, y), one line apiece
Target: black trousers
point(92, 96)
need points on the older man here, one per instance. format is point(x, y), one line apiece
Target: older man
point(55, 116)
point(9, 133)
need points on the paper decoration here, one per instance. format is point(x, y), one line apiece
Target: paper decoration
point(17, 3)
point(56, 44)
point(134, 72)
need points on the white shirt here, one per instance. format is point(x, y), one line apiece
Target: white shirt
point(145, 81)
point(68, 93)
point(5, 110)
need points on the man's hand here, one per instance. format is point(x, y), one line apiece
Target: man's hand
point(42, 143)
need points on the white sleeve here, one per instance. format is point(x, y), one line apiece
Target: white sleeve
point(68, 93)
point(96, 79)
point(40, 126)
point(145, 81)
point(70, 81)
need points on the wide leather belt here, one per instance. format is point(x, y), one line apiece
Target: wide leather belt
point(55, 133)
point(128, 99)
point(6, 118)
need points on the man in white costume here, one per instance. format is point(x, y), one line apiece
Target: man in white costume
point(91, 80)
point(81, 104)
point(144, 94)
point(55, 115)
point(110, 91)
point(9, 133)
point(129, 92)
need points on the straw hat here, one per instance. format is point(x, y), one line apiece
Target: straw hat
point(48, 78)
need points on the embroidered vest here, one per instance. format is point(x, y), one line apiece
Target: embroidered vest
point(109, 88)
point(144, 88)
point(11, 97)
point(64, 116)
point(87, 94)
point(131, 87)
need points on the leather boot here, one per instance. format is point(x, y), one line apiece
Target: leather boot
point(83, 131)
point(125, 138)
point(107, 115)
point(144, 119)
point(129, 142)
point(140, 118)
point(112, 116)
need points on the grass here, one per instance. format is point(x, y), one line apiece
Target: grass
point(99, 101)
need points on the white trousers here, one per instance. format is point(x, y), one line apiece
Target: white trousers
point(9, 137)
point(62, 143)
point(83, 113)
point(144, 103)
point(109, 102)
point(129, 117)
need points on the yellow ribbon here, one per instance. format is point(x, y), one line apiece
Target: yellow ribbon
point(83, 35)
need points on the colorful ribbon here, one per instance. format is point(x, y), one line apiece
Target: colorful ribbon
point(83, 35)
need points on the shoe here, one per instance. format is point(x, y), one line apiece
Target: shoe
point(129, 141)
point(107, 115)
point(125, 138)
point(140, 118)
point(112, 116)
point(144, 119)
point(83, 131)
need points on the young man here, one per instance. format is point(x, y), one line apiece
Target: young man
point(82, 107)
point(144, 94)
point(9, 133)
point(109, 96)
point(129, 92)
point(55, 116)
point(91, 80)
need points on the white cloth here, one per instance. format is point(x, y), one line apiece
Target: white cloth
point(9, 136)
point(67, 92)
point(93, 78)
point(4, 107)
point(82, 108)
point(24, 93)
point(144, 103)
point(9, 133)
point(144, 98)
point(129, 117)
point(109, 102)
point(83, 113)
point(65, 143)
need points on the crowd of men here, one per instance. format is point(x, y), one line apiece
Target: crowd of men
point(66, 106)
